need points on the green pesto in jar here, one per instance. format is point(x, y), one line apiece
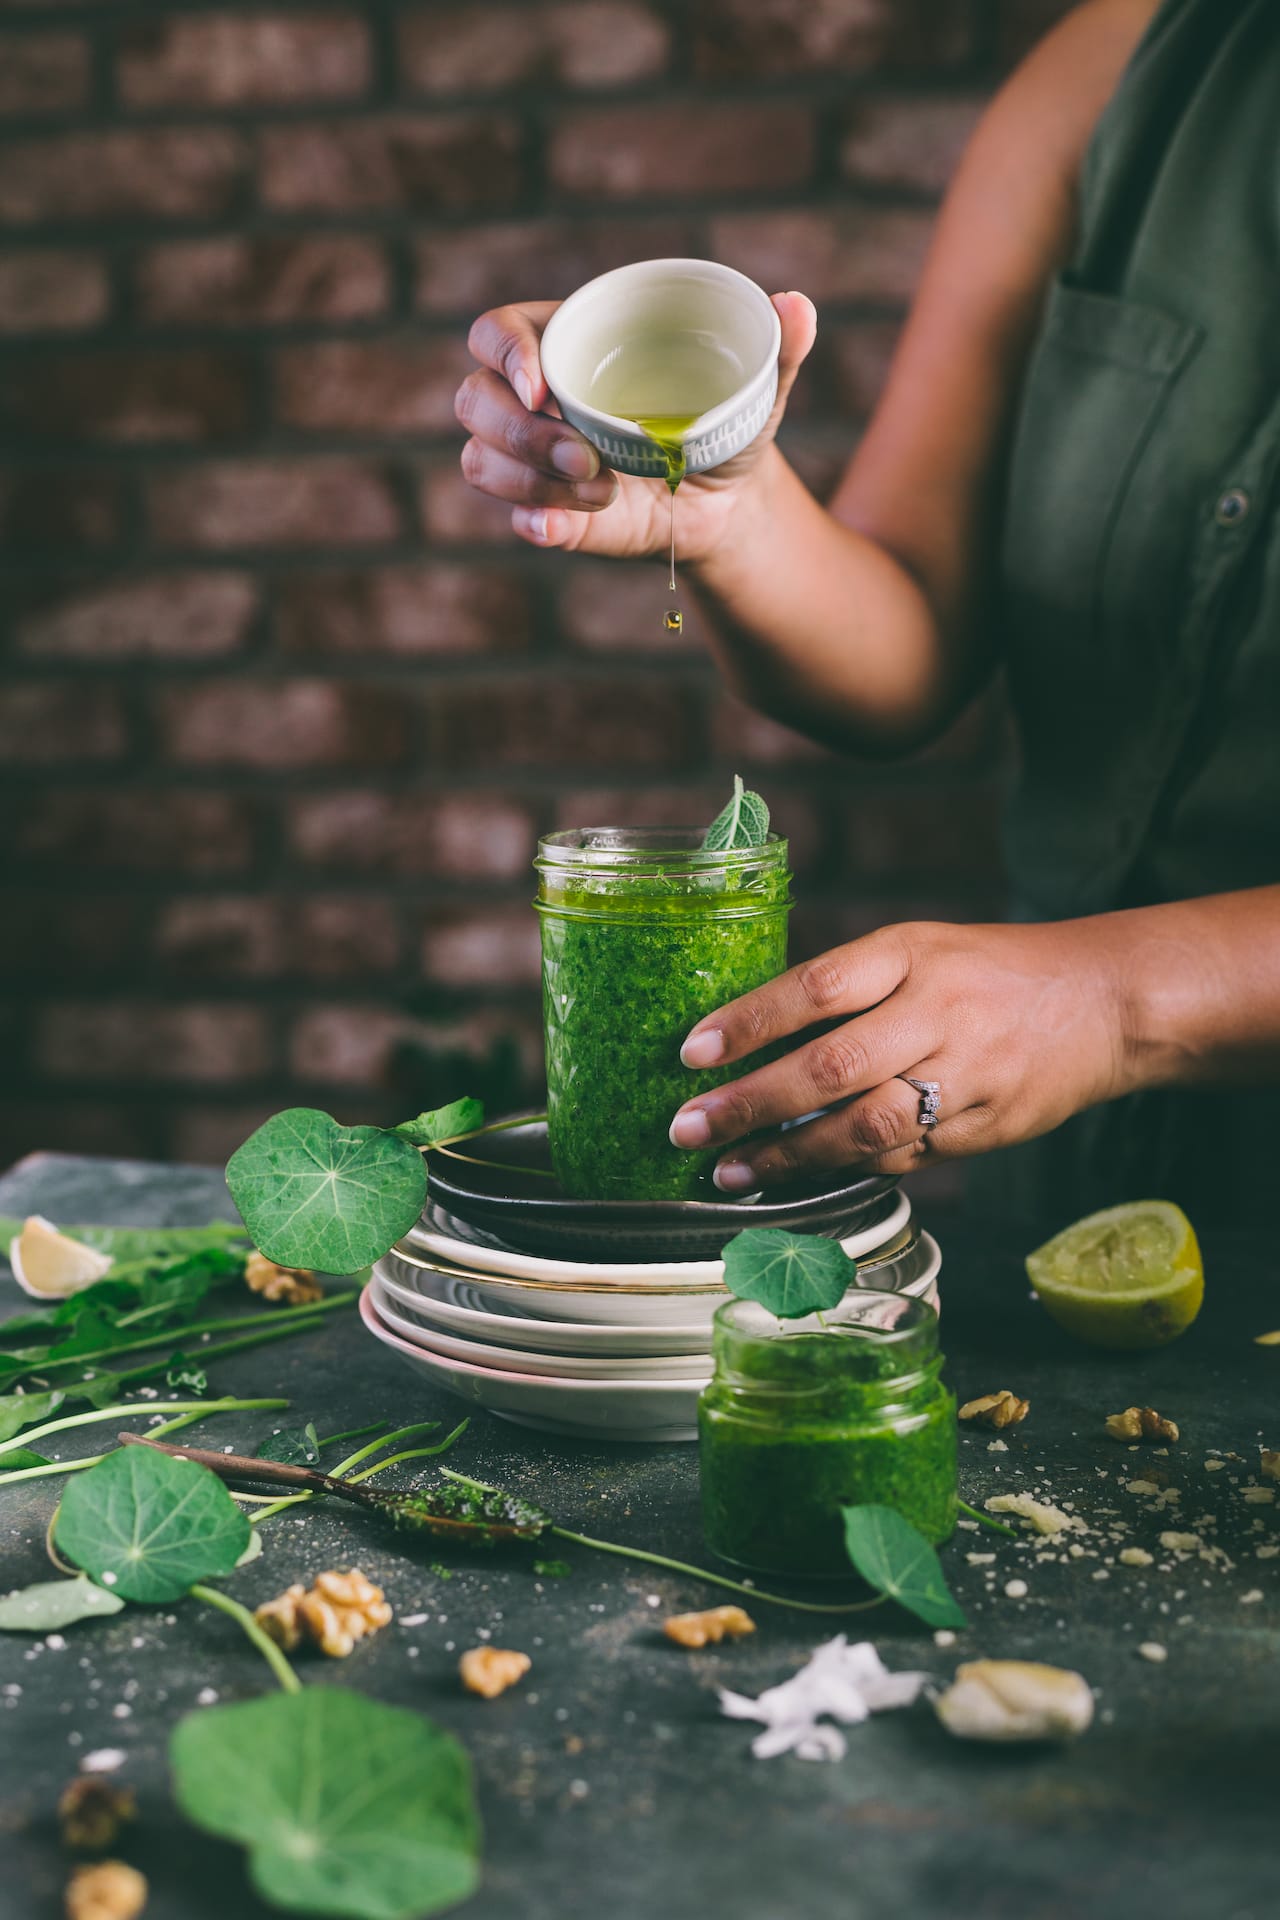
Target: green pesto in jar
point(642, 934)
point(804, 1417)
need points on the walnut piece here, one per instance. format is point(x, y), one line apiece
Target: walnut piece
point(295, 1286)
point(338, 1610)
point(91, 1812)
point(1015, 1700)
point(1003, 1409)
point(1140, 1423)
point(489, 1671)
point(717, 1623)
point(1270, 1464)
point(110, 1890)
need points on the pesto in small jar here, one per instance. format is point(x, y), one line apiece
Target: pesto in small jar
point(644, 932)
point(803, 1417)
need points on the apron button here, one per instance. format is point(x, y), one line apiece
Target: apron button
point(1231, 507)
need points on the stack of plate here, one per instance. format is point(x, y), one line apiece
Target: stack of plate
point(594, 1317)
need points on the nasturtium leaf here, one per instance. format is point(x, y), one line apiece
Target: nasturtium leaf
point(896, 1559)
point(19, 1410)
point(742, 822)
point(21, 1457)
point(148, 1524)
point(789, 1273)
point(319, 1195)
point(295, 1446)
point(346, 1806)
point(55, 1603)
point(445, 1123)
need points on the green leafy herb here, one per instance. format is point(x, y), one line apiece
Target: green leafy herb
point(56, 1603)
point(789, 1273)
point(446, 1123)
point(20, 1458)
point(743, 822)
point(316, 1194)
point(896, 1559)
point(147, 1525)
point(295, 1446)
point(552, 1569)
point(346, 1806)
point(19, 1410)
point(128, 1245)
point(183, 1375)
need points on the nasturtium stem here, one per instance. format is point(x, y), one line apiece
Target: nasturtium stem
point(414, 1453)
point(266, 1646)
point(263, 1323)
point(154, 1433)
point(388, 1440)
point(716, 1579)
point(196, 1407)
point(343, 1470)
point(353, 1433)
point(985, 1520)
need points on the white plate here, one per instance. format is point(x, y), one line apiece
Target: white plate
point(456, 1306)
point(602, 1410)
point(649, 1273)
point(413, 1327)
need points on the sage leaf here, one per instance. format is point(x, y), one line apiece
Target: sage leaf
point(295, 1446)
point(445, 1123)
point(316, 1194)
point(346, 1806)
point(742, 822)
point(19, 1410)
point(55, 1603)
point(789, 1273)
point(896, 1559)
point(148, 1524)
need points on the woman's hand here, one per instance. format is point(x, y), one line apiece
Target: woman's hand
point(1020, 1025)
point(521, 450)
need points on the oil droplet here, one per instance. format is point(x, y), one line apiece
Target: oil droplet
point(673, 620)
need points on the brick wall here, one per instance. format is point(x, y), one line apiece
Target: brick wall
point(285, 706)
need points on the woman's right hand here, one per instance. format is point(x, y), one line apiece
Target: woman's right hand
point(562, 495)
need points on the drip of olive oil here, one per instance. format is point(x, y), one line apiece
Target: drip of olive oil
point(667, 431)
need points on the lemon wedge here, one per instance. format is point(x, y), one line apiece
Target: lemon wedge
point(48, 1265)
point(1131, 1276)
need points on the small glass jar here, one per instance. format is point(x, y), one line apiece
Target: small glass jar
point(803, 1417)
point(643, 932)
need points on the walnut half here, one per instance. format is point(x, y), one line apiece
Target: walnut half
point(338, 1610)
point(489, 1671)
point(717, 1623)
point(1270, 1464)
point(91, 1812)
point(111, 1890)
point(1003, 1409)
point(295, 1286)
point(1140, 1423)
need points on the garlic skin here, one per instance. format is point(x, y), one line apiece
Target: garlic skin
point(1015, 1700)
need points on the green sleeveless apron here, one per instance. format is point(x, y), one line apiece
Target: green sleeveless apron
point(1140, 576)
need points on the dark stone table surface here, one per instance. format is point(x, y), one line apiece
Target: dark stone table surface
point(610, 1784)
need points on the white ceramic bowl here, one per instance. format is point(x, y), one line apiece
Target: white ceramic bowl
point(700, 295)
point(452, 1306)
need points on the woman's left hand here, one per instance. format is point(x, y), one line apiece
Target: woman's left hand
point(1021, 1026)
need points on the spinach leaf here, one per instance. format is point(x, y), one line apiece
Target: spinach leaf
point(789, 1273)
point(148, 1524)
point(445, 1123)
point(742, 822)
point(316, 1194)
point(19, 1410)
point(346, 1806)
point(295, 1446)
point(894, 1557)
point(55, 1603)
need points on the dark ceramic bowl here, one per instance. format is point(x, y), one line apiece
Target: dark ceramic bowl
point(510, 1202)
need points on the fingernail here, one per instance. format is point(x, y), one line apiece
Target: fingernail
point(735, 1176)
point(703, 1049)
point(690, 1128)
point(575, 458)
point(538, 524)
point(524, 387)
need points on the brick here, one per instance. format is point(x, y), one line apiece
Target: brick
point(131, 831)
point(620, 153)
point(278, 726)
point(113, 1128)
point(771, 39)
point(145, 1040)
point(912, 142)
point(839, 253)
point(481, 49)
point(52, 723)
point(49, 935)
point(208, 1134)
point(451, 164)
point(52, 292)
point(482, 947)
point(268, 280)
point(408, 612)
point(371, 386)
point(125, 396)
point(623, 721)
point(43, 72)
point(612, 606)
point(49, 507)
point(259, 503)
point(464, 271)
point(1020, 24)
point(243, 60)
point(453, 510)
point(851, 364)
point(259, 937)
point(345, 1045)
point(463, 837)
point(171, 173)
point(178, 616)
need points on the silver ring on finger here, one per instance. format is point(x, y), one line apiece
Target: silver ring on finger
point(930, 1092)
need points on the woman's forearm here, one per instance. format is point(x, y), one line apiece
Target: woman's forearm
point(1200, 985)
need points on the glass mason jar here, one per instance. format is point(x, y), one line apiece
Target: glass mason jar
point(803, 1417)
point(643, 932)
